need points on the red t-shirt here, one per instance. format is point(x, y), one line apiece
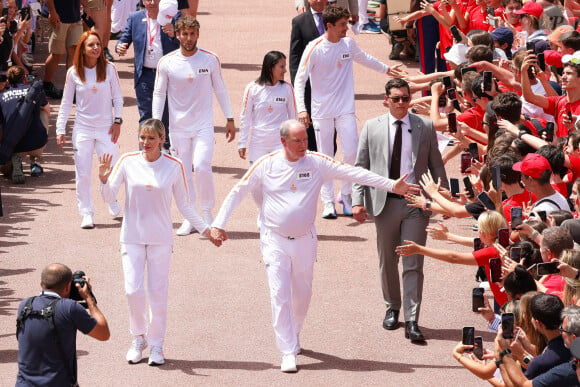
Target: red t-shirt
point(482, 257)
point(478, 19)
point(555, 285)
point(558, 106)
point(562, 188)
point(473, 118)
point(574, 171)
point(517, 201)
point(445, 36)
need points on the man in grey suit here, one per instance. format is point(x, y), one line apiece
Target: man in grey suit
point(393, 145)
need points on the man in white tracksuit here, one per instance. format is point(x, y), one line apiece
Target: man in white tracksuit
point(327, 61)
point(187, 77)
point(290, 181)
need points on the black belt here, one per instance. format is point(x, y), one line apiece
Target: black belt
point(149, 69)
point(391, 195)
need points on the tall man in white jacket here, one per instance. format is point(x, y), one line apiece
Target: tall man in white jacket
point(188, 77)
point(290, 181)
point(327, 61)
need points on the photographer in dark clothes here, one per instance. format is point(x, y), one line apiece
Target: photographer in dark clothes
point(47, 341)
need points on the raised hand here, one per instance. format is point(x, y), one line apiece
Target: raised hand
point(105, 167)
point(402, 187)
point(397, 71)
point(409, 248)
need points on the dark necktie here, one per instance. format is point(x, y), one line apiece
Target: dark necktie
point(320, 25)
point(395, 169)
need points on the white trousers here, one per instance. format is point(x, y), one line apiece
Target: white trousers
point(196, 148)
point(157, 259)
point(289, 268)
point(258, 150)
point(85, 142)
point(363, 17)
point(346, 129)
point(120, 13)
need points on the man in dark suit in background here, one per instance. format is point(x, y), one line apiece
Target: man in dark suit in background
point(392, 145)
point(306, 27)
point(150, 42)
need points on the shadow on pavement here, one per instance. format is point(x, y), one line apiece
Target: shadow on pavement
point(236, 173)
point(9, 355)
point(189, 367)
point(241, 66)
point(6, 299)
point(330, 362)
point(369, 97)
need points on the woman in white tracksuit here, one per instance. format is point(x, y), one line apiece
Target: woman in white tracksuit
point(150, 180)
point(268, 101)
point(94, 83)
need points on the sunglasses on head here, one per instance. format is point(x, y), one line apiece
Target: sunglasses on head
point(404, 98)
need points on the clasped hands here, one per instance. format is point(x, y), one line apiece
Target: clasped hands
point(216, 235)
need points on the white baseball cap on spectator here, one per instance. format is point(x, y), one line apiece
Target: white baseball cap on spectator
point(574, 58)
point(167, 9)
point(457, 54)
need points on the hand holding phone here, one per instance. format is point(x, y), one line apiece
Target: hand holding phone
point(477, 299)
point(468, 187)
point(468, 336)
point(452, 122)
point(495, 270)
point(507, 325)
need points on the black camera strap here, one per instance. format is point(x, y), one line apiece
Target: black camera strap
point(47, 313)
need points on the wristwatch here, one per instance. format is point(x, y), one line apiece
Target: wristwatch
point(428, 207)
point(118, 120)
point(521, 133)
point(229, 119)
point(506, 351)
point(527, 359)
point(498, 362)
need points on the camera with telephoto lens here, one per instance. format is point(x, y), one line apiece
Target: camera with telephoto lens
point(77, 278)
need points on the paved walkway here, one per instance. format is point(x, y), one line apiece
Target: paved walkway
point(219, 315)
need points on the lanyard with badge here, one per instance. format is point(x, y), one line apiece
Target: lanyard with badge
point(151, 39)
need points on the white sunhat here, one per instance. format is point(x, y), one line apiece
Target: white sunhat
point(457, 54)
point(167, 9)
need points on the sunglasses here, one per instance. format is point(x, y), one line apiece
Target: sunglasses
point(404, 98)
point(562, 330)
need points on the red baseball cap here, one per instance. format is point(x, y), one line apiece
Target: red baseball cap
point(531, 8)
point(532, 165)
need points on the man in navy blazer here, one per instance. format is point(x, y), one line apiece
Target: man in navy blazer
point(150, 43)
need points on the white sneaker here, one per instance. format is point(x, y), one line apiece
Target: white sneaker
point(288, 363)
point(87, 222)
point(186, 228)
point(114, 209)
point(156, 356)
point(135, 353)
point(207, 216)
point(329, 212)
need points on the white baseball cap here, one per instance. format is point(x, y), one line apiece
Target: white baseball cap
point(167, 9)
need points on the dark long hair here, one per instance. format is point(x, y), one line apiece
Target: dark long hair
point(270, 60)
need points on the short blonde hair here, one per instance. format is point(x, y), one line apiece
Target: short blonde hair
point(491, 221)
point(152, 125)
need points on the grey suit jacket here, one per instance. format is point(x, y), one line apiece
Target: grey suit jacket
point(374, 154)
